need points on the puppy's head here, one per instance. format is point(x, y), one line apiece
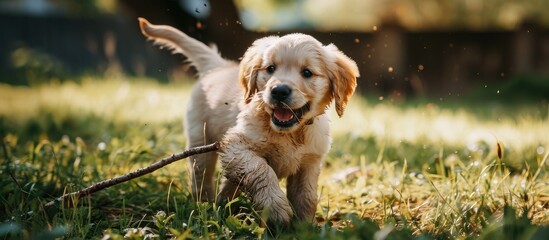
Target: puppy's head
point(297, 78)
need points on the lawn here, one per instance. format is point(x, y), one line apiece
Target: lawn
point(426, 169)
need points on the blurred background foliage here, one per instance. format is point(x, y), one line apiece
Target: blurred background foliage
point(362, 15)
point(356, 15)
point(429, 48)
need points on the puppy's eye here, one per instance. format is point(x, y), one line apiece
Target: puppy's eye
point(271, 68)
point(307, 73)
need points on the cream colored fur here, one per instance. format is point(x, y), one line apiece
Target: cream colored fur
point(233, 103)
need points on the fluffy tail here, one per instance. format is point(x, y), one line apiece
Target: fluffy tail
point(202, 57)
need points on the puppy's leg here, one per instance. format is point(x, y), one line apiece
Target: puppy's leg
point(228, 192)
point(302, 191)
point(202, 170)
point(202, 166)
point(256, 178)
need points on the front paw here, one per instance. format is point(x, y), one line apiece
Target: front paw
point(275, 207)
point(280, 214)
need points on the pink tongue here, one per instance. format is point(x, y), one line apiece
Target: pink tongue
point(283, 114)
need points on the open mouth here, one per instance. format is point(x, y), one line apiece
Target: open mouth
point(284, 117)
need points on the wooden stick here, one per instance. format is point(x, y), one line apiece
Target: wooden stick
point(137, 173)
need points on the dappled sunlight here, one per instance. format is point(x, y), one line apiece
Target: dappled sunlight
point(145, 101)
point(122, 99)
point(392, 124)
point(445, 191)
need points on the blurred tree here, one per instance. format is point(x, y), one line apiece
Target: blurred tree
point(362, 15)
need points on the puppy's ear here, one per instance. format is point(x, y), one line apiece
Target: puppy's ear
point(251, 64)
point(343, 73)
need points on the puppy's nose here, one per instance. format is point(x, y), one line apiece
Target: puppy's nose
point(281, 92)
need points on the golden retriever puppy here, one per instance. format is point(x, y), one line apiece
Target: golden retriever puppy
point(269, 114)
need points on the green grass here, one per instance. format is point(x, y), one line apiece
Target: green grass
point(426, 170)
